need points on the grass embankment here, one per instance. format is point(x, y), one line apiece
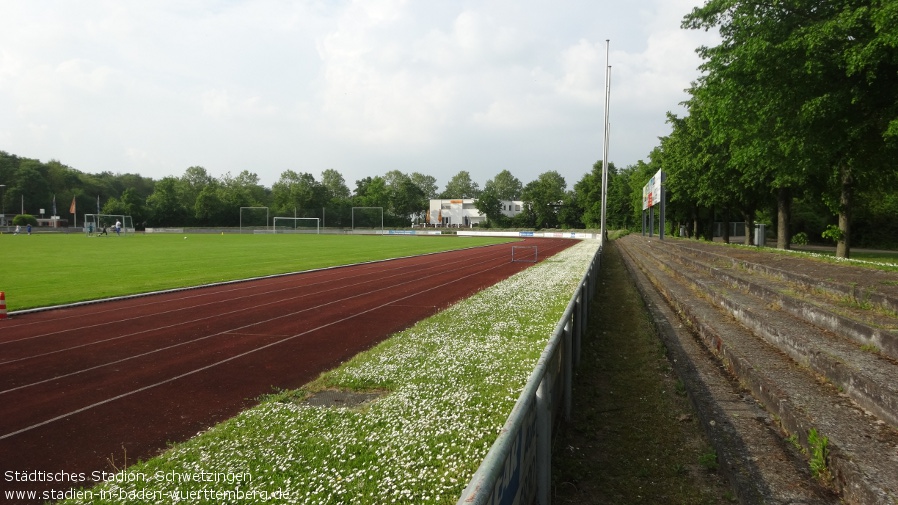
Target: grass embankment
point(881, 260)
point(449, 384)
point(50, 269)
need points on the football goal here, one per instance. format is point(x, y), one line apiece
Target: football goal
point(96, 225)
point(524, 253)
point(253, 218)
point(296, 225)
point(368, 218)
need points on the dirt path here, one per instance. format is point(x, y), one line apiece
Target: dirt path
point(634, 437)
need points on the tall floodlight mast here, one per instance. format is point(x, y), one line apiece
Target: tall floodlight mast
point(607, 137)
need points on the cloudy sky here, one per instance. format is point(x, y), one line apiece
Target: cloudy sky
point(360, 86)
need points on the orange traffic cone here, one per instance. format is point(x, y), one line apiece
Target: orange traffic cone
point(2, 305)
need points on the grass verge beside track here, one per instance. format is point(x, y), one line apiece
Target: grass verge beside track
point(51, 269)
point(449, 384)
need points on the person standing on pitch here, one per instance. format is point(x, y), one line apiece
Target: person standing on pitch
point(118, 227)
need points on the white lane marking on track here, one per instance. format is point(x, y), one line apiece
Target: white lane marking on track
point(243, 287)
point(289, 314)
point(197, 370)
point(192, 307)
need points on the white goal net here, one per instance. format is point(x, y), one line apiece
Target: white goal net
point(253, 219)
point(98, 225)
point(296, 225)
point(524, 253)
point(368, 218)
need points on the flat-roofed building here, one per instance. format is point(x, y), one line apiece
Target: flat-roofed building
point(462, 213)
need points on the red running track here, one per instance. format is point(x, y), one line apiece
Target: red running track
point(82, 385)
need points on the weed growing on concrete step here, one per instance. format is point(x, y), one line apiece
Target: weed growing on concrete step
point(680, 388)
point(709, 461)
point(818, 446)
point(793, 439)
point(870, 348)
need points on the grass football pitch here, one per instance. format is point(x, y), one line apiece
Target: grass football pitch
point(50, 269)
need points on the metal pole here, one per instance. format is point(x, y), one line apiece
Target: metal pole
point(543, 441)
point(661, 226)
point(607, 136)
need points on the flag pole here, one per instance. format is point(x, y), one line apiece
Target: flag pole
point(606, 139)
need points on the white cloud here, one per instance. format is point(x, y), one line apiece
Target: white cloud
point(360, 86)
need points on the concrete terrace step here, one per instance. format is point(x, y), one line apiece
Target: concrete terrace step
point(866, 326)
point(867, 377)
point(874, 288)
point(771, 352)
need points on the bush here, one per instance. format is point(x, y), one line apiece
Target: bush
point(800, 238)
point(24, 220)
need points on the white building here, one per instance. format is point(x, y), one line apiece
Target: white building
point(461, 212)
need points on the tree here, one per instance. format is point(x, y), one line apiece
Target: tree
point(371, 192)
point(165, 207)
point(29, 187)
point(542, 199)
point(489, 204)
point(130, 204)
point(209, 208)
point(294, 192)
point(619, 214)
point(406, 200)
point(589, 194)
point(427, 184)
point(752, 92)
point(334, 185)
point(461, 186)
point(505, 186)
point(805, 90)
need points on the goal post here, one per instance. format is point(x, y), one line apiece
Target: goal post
point(524, 253)
point(283, 225)
point(368, 218)
point(95, 224)
point(252, 219)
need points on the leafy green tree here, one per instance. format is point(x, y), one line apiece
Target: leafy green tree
point(505, 186)
point(589, 194)
point(372, 192)
point(543, 198)
point(194, 180)
point(489, 204)
point(30, 187)
point(130, 204)
point(752, 93)
point(805, 90)
point(461, 186)
point(406, 199)
point(570, 214)
point(619, 215)
point(426, 183)
point(335, 186)
point(295, 192)
point(165, 206)
point(210, 208)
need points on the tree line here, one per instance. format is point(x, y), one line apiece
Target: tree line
point(197, 199)
point(794, 121)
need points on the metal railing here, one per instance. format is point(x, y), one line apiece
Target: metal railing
point(518, 467)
